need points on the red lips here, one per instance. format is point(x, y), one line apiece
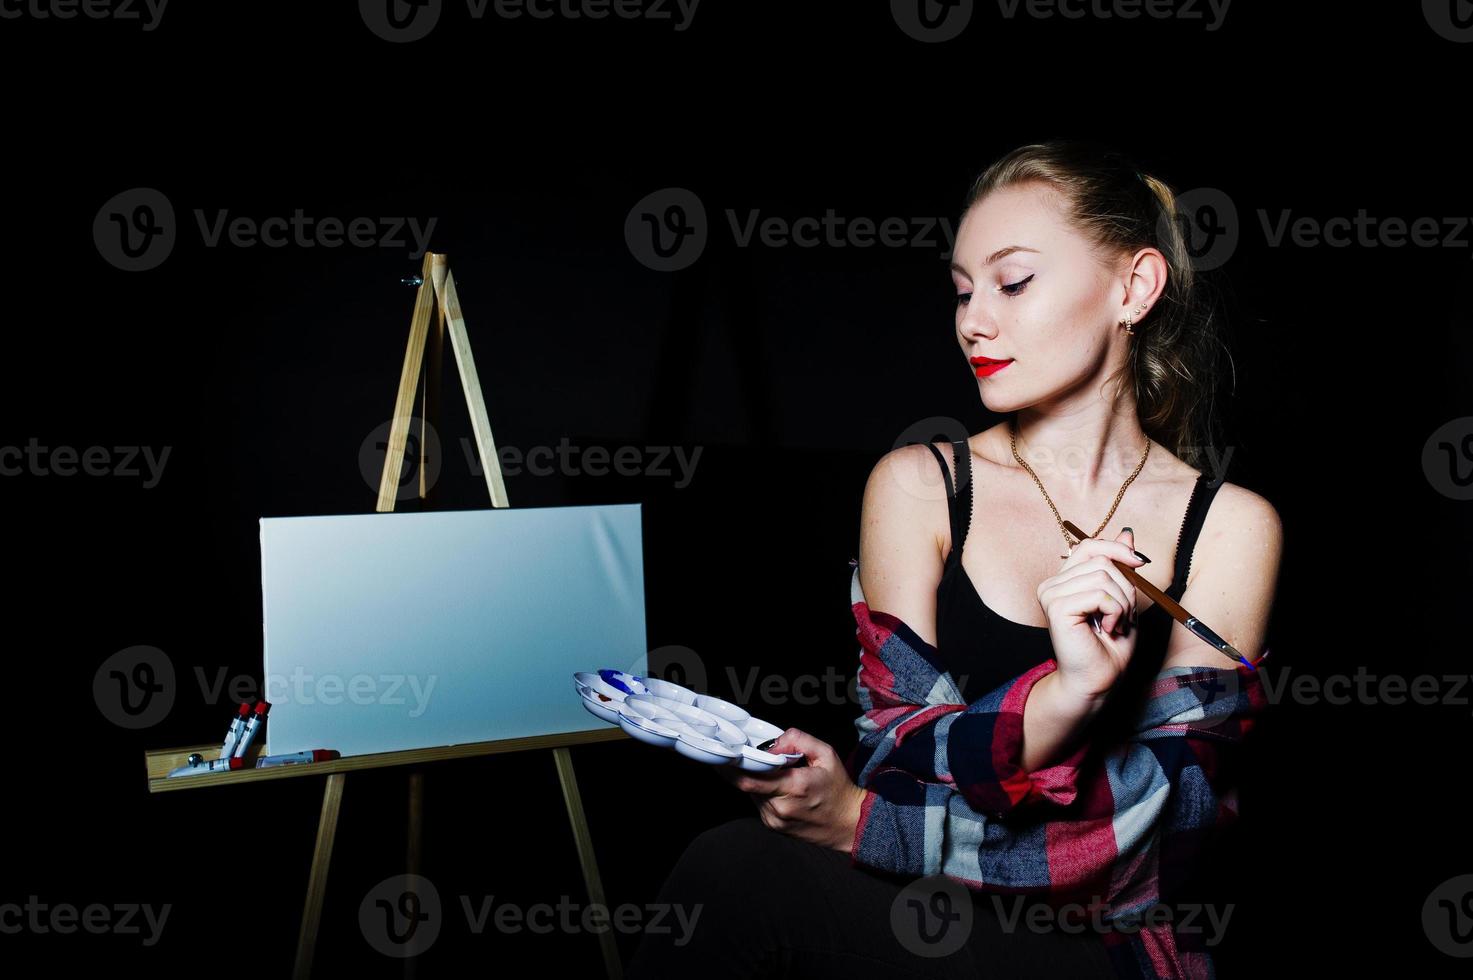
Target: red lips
point(985, 366)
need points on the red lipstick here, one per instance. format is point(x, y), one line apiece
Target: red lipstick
point(985, 366)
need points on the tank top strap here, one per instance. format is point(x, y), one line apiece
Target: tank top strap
point(1202, 493)
point(954, 510)
point(961, 451)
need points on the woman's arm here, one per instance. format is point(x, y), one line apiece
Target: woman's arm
point(1054, 721)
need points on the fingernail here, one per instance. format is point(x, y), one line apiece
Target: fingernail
point(1128, 528)
point(1141, 556)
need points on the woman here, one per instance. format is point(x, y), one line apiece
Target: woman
point(1080, 314)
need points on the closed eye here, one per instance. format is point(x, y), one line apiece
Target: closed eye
point(1011, 289)
point(1014, 288)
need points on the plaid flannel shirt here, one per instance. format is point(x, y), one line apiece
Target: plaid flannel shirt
point(949, 795)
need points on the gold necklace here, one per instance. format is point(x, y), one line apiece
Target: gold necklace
point(1013, 429)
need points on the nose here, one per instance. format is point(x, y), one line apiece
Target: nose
point(975, 324)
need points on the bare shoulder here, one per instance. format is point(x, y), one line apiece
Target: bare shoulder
point(906, 493)
point(1234, 577)
point(904, 511)
point(1241, 523)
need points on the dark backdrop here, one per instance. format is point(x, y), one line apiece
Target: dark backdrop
point(791, 369)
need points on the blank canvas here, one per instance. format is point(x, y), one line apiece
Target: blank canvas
point(391, 631)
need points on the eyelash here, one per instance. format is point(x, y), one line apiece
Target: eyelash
point(1020, 285)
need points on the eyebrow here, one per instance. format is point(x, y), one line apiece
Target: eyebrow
point(1001, 253)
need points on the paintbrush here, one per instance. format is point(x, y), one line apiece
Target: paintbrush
point(1179, 614)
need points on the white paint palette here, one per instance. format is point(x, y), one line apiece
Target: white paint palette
point(698, 726)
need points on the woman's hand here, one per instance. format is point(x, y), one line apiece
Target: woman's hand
point(1087, 585)
point(817, 802)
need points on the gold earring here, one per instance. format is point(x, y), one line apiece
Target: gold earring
point(1130, 318)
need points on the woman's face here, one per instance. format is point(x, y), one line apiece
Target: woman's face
point(1029, 292)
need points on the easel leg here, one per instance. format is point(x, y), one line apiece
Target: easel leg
point(416, 837)
point(327, 828)
point(586, 859)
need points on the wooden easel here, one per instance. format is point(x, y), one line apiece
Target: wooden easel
point(436, 288)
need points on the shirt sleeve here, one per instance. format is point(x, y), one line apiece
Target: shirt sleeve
point(976, 749)
point(946, 783)
point(912, 826)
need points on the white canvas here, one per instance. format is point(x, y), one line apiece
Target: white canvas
point(393, 631)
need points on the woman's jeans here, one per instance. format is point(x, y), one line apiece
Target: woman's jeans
point(746, 901)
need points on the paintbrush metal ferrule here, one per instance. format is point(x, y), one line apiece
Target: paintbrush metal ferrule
point(1205, 632)
point(1202, 630)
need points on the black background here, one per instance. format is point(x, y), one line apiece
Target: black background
point(792, 369)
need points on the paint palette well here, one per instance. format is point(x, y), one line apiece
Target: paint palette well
point(699, 726)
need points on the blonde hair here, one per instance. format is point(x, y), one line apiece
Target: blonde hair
point(1174, 366)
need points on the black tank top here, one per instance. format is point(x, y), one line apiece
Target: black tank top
point(982, 649)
